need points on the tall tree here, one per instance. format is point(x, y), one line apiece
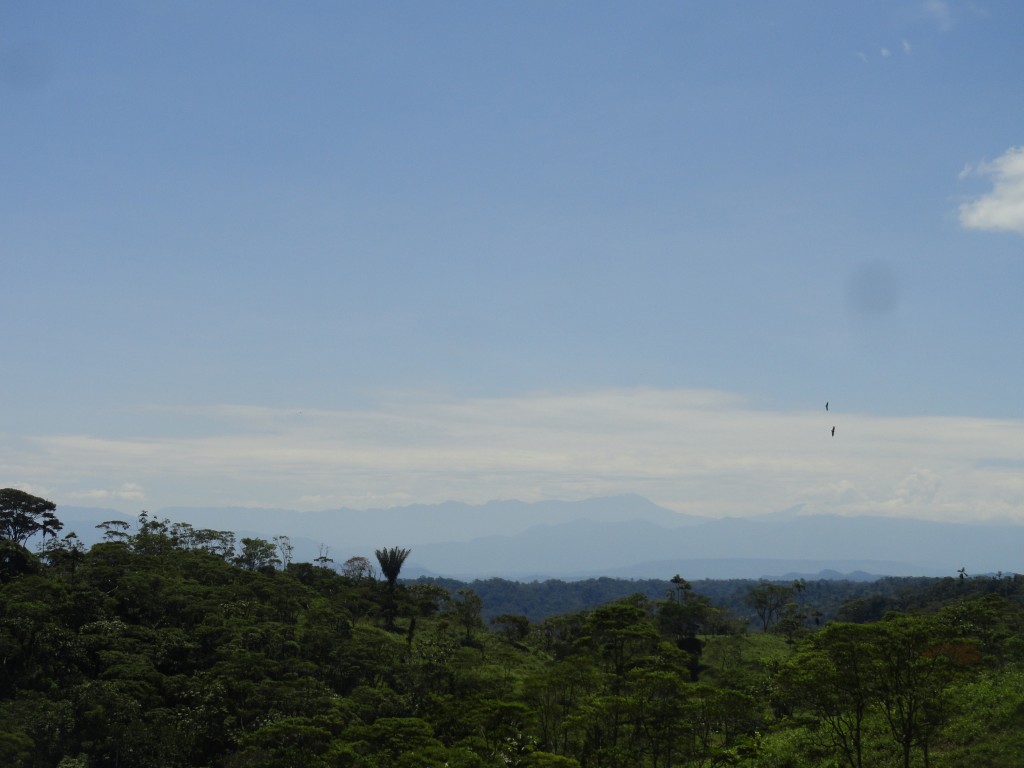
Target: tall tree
point(833, 677)
point(285, 548)
point(915, 662)
point(391, 561)
point(358, 568)
point(23, 515)
point(257, 555)
point(465, 610)
point(768, 600)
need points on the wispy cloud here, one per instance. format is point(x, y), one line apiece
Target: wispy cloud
point(124, 492)
point(701, 452)
point(1003, 207)
point(885, 52)
point(939, 13)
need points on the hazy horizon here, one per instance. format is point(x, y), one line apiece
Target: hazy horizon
point(624, 536)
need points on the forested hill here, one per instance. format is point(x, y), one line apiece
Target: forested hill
point(166, 646)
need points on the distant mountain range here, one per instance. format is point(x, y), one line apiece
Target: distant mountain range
point(619, 536)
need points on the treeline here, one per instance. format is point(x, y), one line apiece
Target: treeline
point(170, 646)
point(821, 600)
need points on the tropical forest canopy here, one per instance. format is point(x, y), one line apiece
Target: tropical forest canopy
point(169, 645)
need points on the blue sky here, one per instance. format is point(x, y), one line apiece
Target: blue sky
point(329, 253)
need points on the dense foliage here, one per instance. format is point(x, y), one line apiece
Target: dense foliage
point(169, 646)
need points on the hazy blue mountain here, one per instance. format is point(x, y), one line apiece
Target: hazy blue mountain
point(620, 536)
point(765, 568)
point(351, 531)
point(830, 574)
point(427, 523)
point(733, 548)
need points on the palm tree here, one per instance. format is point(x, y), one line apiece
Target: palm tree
point(391, 561)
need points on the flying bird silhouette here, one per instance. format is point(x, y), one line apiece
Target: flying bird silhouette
point(826, 405)
point(833, 431)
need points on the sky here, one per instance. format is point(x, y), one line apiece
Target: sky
point(324, 254)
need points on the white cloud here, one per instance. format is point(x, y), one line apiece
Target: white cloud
point(921, 486)
point(1003, 207)
point(885, 53)
point(938, 12)
point(906, 47)
point(700, 452)
point(124, 492)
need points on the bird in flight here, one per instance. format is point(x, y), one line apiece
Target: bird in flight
point(826, 405)
point(833, 431)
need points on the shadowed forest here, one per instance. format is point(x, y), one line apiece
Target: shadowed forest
point(167, 645)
